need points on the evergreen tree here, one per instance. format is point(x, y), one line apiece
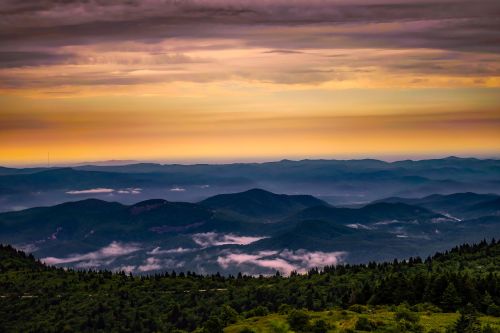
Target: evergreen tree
point(450, 299)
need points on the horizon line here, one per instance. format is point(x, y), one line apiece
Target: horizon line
point(190, 162)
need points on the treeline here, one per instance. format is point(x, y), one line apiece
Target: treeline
point(37, 298)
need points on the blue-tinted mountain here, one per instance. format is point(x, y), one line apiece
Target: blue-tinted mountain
point(460, 205)
point(218, 233)
point(339, 182)
point(261, 205)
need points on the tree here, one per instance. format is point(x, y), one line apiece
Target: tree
point(450, 299)
point(468, 321)
point(213, 325)
point(228, 315)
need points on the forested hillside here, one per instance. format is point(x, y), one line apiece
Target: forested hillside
point(38, 298)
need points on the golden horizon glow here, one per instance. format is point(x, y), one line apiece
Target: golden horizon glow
point(233, 89)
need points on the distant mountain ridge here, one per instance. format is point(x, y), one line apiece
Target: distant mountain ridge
point(461, 205)
point(338, 182)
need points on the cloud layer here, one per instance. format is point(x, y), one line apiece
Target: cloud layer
point(284, 261)
point(290, 42)
point(208, 239)
point(231, 79)
point(113, 250)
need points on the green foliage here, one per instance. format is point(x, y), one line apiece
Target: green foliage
point(468, 321)
point(228, 315)
point(320, 326)
point(247, 330)
point(258, 311)
point(407, 321)
point(279, 327)
point(298, 320)
point(284, 309)
point(358, 308)
point(364, 324)
point(38, 298)
point(451, 299)
point(493, 310)
point(213, 325)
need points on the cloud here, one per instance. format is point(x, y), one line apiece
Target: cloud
point(28, 58)
point(94, 263)
point(214, 239)
point(97, 44)
point(154, 264)
point(150, 264)
point(92, 191)
point(77, 22)
point(284, 261)
point(132, 190)
point(358, 226)
point(177, 189)
point(179, 250)
point(28, 248)
point(115, 249)
point(126, 268)
point(313, 259)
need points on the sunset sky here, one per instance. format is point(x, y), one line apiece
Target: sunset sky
point(229, 80)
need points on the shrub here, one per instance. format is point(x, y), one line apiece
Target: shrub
point(364, 324)
point(407, 321)
point(247, 330)
point(426, 307)
point(284, 309)
point(493, 310)
point(259, 311)
point(403, 313)
point(279, 327)
point(228, 315)
point(298, 320)
point(358, 308)
point(320, 326)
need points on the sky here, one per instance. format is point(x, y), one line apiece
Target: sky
point(199, 80)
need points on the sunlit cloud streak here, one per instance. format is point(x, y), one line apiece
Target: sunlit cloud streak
point(284, 261)
point(214, 239)
point(92, 191)
point(113, 250)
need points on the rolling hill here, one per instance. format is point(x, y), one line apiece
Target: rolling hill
point(232, 231)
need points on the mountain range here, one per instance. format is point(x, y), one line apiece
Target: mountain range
point(338, 182)
point(255, 231)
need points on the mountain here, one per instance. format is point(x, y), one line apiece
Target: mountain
point(96, 222)
point(491, 207)
point(229, 231)
point(259, 204)
point(459, 205)
point(372, 213)
point(338, 182)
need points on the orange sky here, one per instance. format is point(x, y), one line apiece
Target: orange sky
point(225, 89)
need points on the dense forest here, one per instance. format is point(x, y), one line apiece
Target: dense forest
point(39, 298)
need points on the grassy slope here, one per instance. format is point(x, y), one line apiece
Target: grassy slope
point(340, 320)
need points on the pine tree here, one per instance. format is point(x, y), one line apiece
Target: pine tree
point(450, 300)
